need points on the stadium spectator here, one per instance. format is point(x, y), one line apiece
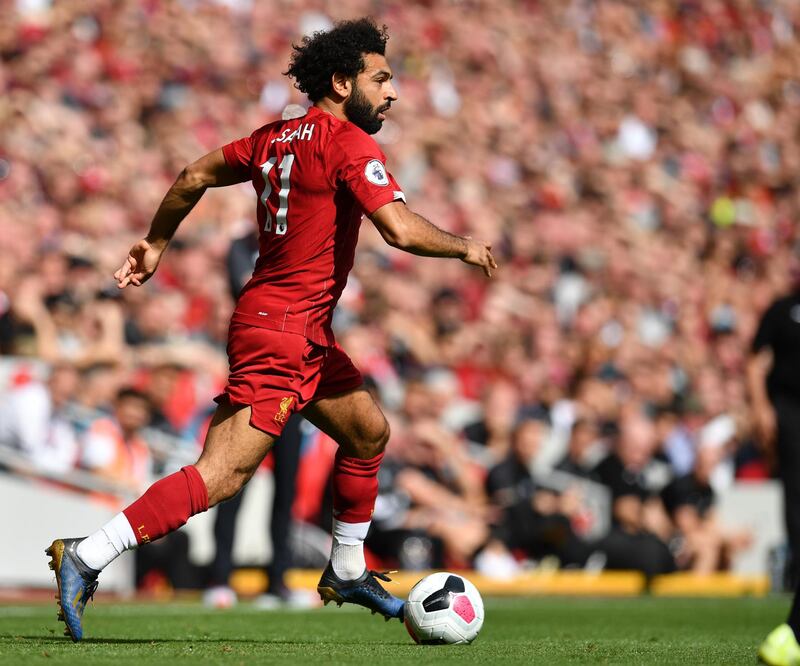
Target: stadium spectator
point(69, 326)
point(240, 262)
point(33, 422)
point(431, 498)
point(100, 384)
point(706, 546)
point(641, 528)
point(114, 448)
point(535, 520)
point(219, 594)
point(493, 431)
point(585, 449)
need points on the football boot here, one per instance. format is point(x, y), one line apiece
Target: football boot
point(76, 584)
point(365, 591)
point(780, 648)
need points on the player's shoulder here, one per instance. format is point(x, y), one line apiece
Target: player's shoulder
point(268, 129)
point(314, 124)
point(346, 129)
point(351, 138)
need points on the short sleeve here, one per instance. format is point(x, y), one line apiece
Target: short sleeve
point(239, 154)
point(355, 160)
point(673, 496)
point(765, 335)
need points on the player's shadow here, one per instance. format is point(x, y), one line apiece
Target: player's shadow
point(251, 641)
point(58, 640)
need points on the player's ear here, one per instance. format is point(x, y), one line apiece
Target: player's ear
point(341, 85)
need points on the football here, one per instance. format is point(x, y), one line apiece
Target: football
point(444, 609)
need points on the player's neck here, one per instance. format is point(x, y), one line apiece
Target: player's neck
point(336, 109)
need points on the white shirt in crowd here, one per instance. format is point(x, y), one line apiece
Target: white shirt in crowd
point(29, 425)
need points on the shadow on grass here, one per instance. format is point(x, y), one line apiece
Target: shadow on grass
point(63, 640)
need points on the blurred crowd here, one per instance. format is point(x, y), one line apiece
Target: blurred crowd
point(635, 166)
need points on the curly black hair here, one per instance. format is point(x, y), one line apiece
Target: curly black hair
point(340, 49)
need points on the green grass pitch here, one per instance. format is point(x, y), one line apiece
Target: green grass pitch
point(517, 631)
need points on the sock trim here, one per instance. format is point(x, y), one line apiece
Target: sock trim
point(350, 534)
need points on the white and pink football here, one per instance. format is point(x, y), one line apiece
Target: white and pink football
point(444, 609)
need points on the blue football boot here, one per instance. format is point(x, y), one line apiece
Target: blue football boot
point(76, 584)
point(365, 591)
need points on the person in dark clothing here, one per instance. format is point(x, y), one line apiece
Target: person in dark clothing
point(287, 461)
point(584, 452)
point(493, 431)
point(396, 543)
point(688, 491)
point(640, 527)
point(774, 385)
point(705, 546)
point(534, 519)
point(240, 261)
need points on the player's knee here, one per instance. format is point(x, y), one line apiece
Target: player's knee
point(378, 440)
point(385, 433)
point(370, 442)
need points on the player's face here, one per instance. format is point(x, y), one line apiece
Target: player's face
point(372, 95)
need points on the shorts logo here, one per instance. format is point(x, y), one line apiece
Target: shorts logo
point(376, 173)
point(283, 411)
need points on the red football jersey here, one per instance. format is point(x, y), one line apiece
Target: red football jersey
point(315, 177)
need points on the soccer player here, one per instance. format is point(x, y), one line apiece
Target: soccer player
point(315, 177)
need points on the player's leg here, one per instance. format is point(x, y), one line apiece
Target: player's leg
point(356, 423)
point(287, 462)
point(782, 645)
point(219, 594)
point(233, 450)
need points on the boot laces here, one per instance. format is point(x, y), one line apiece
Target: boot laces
point(383, 575)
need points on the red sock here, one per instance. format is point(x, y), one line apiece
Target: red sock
point(168, 504)
point(355, 487)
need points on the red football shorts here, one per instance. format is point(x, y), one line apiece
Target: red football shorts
point(277, 374)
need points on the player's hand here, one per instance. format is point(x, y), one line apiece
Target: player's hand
point(140, 265)
point(479, 253)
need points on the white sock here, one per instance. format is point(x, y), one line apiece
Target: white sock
point(98, 550)
point(347, 552)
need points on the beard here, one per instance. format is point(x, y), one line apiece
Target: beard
point(361, 113)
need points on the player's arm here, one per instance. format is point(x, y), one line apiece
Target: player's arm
point(628, 512)
point(687, 519)
point(405, 230)
point(758, 365)
point(209, 171)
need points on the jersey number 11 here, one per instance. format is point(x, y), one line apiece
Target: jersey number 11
point(285, 172)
